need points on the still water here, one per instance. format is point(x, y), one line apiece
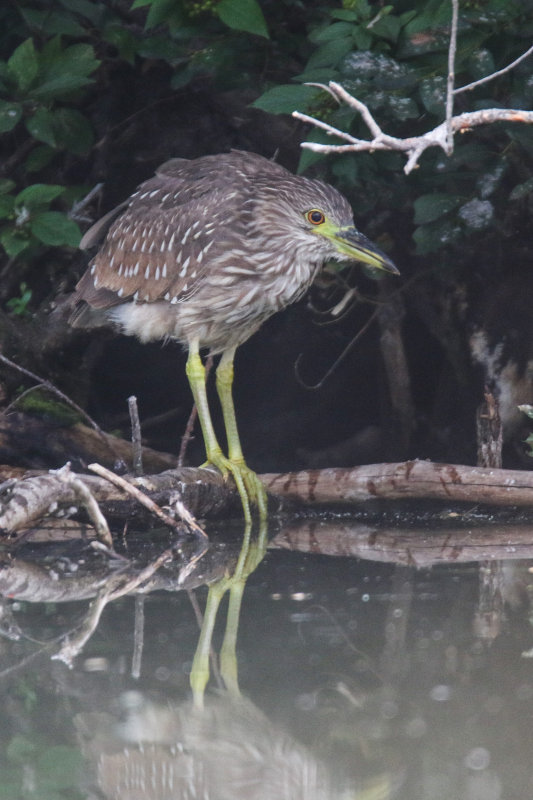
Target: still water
point(343, 678)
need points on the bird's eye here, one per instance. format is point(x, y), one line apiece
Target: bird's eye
point(315, 217)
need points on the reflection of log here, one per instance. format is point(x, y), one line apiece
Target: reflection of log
point(452, 483)
point(399, 545)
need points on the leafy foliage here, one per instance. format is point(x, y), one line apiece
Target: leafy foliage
point(58, 61)
point(55, 770)
point(395, 60)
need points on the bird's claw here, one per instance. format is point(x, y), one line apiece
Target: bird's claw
point(250, 488)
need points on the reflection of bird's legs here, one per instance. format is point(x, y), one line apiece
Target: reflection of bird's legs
point(200, 665)
point(250, 556)
point(254, 488)
point(197, 381)
point(236, 584)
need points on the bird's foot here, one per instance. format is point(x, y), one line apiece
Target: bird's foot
point(250, 488)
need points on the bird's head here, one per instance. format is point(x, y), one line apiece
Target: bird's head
point(330, 218)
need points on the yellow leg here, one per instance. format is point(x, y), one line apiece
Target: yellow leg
point(196, 375)
point(254, 488)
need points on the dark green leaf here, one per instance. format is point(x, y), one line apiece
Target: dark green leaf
point(243, 15)
point(41, 126)
point(432, 237)
point(429, 207)
point(7, 206)
point(13, 241)
point(85, 8)
point(39, 158)
point(52, 22)
point(64, 70)
point(286, 99)
point(6, 184)
point(308, 157)
point(55, 228)
point(160, 47)
point(388, 27)
point(347, 14)
point(72, 131)
point(23, 65)
point(57, 87)
point(402, 108)
point(38, 194)
point(168, 12)
point(78, 59)
point(433, 95)
point(362, 38)
point(10, 114)
point(335, 31)
point(481, 63)
point(123, 39)
point(330, 53)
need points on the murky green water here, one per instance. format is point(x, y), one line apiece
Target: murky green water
point(359, 679)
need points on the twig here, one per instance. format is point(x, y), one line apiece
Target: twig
point(469, 86)
point(451, 78)
point(187, 436)
point(148, 503)
point(80, 205)
point(412, 146)
point(137, 450)
point(46, 384)
point(86, 498)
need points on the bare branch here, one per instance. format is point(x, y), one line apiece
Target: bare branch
point(469, 86)
point(136, 438)
point(86, 498)
point(451, 78)
point(442, 136)
point(412, 146)
point(148, 503)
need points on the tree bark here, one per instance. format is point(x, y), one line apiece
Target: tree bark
point(453, 483)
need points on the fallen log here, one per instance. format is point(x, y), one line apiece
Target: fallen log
point(419, 480)
point(33, 442)
point(23, 502)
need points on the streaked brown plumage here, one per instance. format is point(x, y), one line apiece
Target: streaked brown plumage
point(204, 252)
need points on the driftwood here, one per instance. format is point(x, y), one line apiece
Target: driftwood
point(420, 480)
point(24, 502)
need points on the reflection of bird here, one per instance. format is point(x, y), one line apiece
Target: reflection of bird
point(229, 749)
point(204, 252)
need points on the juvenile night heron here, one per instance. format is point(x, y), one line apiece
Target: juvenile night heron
point(204, 252)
